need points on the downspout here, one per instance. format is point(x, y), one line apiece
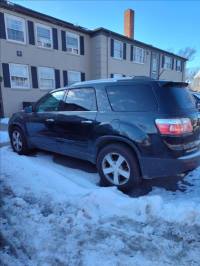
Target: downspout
point(158, 66)
point(183, 71)
point(107, 55)
point(1, 80)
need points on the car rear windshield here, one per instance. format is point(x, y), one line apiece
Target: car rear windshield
point(132, 98)
point(175, 98)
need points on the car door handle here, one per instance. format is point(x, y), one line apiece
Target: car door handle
point(86, 122)
point(50, 120)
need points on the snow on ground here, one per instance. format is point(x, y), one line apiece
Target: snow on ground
point(4, 137)
point(56, 215)
point(4, 121)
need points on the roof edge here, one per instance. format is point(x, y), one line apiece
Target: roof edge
point(35, 14)
point(109, 32)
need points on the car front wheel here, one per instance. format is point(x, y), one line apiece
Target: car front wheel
point(118, 166)
point(18, 141)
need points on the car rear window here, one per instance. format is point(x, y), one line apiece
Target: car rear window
point(132, 98)
point(176, 98)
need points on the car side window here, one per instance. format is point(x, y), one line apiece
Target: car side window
point(132, 98)
point(51, 103)
point(83, 99)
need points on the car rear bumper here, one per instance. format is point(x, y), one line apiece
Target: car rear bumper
point(160, 167)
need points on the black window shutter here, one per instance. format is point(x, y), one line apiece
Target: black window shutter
point(63, 37)
point(55, 38)
point(111, 75)
point(82, 48)
point(131, 55)
point(163, 61)
point(182, 66)
point(82, 76)
point(65, 78)
point(124, 51)
point(57, 78)
point(111, 47)
point(2, 27)
point(34, 77)
point(31, 35)
point(173, 63)
point(6, 75)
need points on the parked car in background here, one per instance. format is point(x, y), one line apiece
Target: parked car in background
point(131, 128)
point(197, 99)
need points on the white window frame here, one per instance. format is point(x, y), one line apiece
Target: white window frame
point(73, 35)
point(136, 49)
point(8, 16)
point(28, 77)
point(51, 35)
point(168, 65)
point(121, 49)
point(73, 72)
point(39, 70)
point(178, 69)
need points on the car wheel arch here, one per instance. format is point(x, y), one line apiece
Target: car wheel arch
point(103, 141)
point(15, 125)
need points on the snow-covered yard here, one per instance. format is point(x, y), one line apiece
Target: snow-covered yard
point(56, 215)
point(4, 137)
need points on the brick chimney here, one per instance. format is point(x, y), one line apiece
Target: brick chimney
point(129, 23)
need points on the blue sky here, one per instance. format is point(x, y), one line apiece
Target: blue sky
point(168, 25)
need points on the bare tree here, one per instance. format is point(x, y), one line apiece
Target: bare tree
point(190, 73)
point(188, 52)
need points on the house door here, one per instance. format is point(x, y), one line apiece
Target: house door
point(154, 65)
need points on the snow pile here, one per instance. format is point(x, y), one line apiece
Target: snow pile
point(4, 121)
point(54, 215)
point(4, 137)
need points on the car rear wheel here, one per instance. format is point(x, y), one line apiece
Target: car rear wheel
point(118, 166)
point(18, 141)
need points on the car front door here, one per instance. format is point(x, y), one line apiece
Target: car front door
point(76, 122)
point(41, 124)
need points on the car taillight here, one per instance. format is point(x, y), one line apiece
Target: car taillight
point(174, 127)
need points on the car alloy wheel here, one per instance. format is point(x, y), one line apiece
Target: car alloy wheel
point(17, 140)
point(116, 169)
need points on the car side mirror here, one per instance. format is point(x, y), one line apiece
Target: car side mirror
point(28, 109)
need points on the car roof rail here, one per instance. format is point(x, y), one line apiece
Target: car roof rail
point(135, 78)
point(143, 77)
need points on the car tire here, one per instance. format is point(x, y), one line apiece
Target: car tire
point(118, 166)
point(18, 141)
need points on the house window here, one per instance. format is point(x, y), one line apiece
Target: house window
point(178, 65)
point(138, 55)
point(72, 43)
point(118, 49)
point(44, 36)
point(15, 29)
point(168, 62)
point(46, 78)
point(19, 76)
point(73, 77)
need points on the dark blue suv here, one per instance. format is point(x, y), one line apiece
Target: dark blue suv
point(131, 128)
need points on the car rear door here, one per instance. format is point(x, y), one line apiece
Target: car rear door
point(41, 124)
point(76, 122)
